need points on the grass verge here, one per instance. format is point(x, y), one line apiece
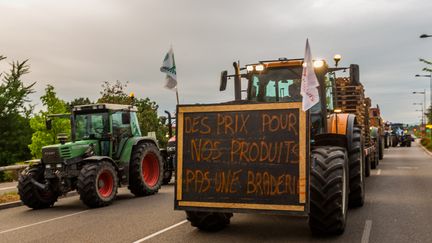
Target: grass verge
point(9, 197)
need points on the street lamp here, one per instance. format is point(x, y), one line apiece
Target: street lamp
point(430, 86)
point(425, 36)
point(422, 112)
point(424, 105)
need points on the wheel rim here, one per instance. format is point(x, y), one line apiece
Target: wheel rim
point(150, 169)
point(105, 183)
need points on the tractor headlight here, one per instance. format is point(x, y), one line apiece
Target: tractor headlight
point(249, 68)
point(59, 165)
point(259, 68)
point(318, 63)
point(47, 166)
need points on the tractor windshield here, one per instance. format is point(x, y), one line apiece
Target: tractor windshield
point(91, 126)
point(276, 84)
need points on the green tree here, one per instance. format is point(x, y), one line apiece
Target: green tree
point(78, 101)
point(15, 131)
point(41, 136)
point(147, 109)
point(114, 93)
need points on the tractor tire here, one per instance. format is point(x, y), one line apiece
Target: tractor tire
point(168, 170)
point(97, 184)
point(394, 141)
point(367, 165)
point(373, 161)
point(381, 148)
point(208, 221)
point(328, 190)
point(356, 170)
point(32, 196)
point(146, 170)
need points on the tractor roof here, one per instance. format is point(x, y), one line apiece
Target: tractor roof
point(105, 106)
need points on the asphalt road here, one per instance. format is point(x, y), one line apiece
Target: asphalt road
point(8, 187)
point(398, 208)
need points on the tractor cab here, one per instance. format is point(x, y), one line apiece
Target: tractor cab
point(110, 124)
point(280, 81)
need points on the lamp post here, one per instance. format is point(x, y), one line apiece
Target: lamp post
point(430, 90)
point(423, 107)
point(422, 111)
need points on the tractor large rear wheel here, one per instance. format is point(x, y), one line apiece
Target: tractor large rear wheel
point(208, 221)
point(356, 170)
point(31, 195)
point(146, 170)
point(97, 184)
point(329, 190)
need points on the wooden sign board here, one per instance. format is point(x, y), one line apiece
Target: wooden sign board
point(240, 158)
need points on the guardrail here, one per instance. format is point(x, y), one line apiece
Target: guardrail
point(18, 167)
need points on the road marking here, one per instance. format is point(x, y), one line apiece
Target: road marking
point(407, 168)
point(41, 222)
point(160, 232)
point(379, 172)
point(366, 231)
point(8, 188)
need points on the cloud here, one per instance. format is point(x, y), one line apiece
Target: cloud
point(76, 45)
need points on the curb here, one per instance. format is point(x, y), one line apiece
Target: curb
point(425, 149)
point(19, 203)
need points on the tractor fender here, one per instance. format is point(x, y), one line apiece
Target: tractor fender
point(130, 144)
point(93, 159)
point(342, 124)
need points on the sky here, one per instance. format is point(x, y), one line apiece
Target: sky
point(77, 45)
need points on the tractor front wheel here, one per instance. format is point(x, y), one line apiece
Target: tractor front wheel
point(97, 184)
point(146, 170)
point(329, 190)
point(208, 221)
point(31, 195)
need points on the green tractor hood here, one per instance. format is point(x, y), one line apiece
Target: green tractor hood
point(59, 153)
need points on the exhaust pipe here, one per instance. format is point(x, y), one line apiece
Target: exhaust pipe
point(39, 185)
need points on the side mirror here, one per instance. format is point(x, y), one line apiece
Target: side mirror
point(354, 74)
point(48, 124)
point(223, 80)
point(125, 118)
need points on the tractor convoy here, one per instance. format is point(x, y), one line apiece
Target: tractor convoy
point(260, 153)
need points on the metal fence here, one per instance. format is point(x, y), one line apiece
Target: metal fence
point(18, 167)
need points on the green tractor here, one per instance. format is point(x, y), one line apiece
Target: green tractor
point(106, 151)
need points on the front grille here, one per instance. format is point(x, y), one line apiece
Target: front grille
point(50, 155)
point(65, 152)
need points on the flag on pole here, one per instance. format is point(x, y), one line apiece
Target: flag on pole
point(169, 67)
point(309, 82)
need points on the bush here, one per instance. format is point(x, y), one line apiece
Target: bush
point(8, 176)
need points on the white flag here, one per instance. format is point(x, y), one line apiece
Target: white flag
point(169, 67)
point(309, 82)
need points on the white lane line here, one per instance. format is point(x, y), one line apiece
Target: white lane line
point(407, 168)
point(160, 232)
point(7, 188)
point(379, 172)
point(366, 231)
point(41, 222)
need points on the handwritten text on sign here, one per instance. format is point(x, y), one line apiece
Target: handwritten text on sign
point(241, 156)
